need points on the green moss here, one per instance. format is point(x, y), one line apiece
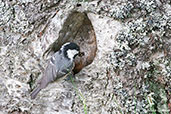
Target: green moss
point(158, 98)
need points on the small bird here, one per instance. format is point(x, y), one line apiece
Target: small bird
point(60, 65)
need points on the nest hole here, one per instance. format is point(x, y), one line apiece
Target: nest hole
point(78, 28)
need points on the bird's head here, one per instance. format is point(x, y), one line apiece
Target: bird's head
point(70, 50)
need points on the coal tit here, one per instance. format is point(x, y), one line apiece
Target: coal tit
point(60, 64)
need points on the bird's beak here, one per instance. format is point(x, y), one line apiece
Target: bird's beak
point(81, 54)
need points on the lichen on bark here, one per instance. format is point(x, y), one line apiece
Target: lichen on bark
point(131, 72)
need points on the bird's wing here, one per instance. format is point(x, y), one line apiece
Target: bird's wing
point(65, 70)
point(65, 66)
point(49, 73)
point(58, 67)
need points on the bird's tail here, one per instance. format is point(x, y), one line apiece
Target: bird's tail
point(35, 92)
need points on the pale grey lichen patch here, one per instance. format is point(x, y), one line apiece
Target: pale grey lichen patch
point(20, 23)
point(130, 69)
point(26, 1)
point(120, 11)
point(13, 17)
point(133, 59)
point(15, 72)
point(15, 88)
point(16, 92)
point(6, 13)
point(148, 6)
point(20, 16)
point(96, 80)
point(13, 95)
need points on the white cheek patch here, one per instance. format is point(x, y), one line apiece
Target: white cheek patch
point(71, 53)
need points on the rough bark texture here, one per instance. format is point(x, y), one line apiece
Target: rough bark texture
point(131, 72)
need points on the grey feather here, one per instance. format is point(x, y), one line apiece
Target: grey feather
point(56, 69)
point(35, 92)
